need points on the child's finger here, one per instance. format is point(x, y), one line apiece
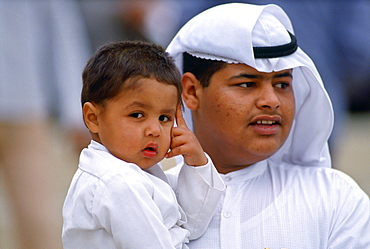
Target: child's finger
point(179, 118)
point(172, 153)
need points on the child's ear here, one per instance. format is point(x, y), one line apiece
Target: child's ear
point(190, 92)
point(90, 115)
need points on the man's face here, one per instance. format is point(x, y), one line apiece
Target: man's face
point(244, 116)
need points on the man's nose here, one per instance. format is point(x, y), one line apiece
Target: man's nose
point(268, 98)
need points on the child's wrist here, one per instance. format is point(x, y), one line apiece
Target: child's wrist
point(203, 161)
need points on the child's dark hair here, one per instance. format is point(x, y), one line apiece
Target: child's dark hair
point(107, 71)
point(202, 69)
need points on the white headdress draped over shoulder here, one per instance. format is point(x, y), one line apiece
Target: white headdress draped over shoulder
point(233, 33)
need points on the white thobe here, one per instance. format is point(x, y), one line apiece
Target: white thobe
point(292, 200)
point(114, 204)
point(270, 206)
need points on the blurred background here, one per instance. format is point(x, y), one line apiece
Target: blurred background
point(44, 45)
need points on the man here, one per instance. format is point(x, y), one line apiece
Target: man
point(260, 110)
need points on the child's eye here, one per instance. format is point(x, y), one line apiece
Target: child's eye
point(164, 118)
point(247, 84)
point(136, 115)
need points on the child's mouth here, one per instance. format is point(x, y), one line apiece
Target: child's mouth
point(151, 150)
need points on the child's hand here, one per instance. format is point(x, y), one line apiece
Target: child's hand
point(185, 143)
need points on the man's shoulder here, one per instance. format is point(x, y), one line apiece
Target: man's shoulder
point(311, 171)
point(323, 179)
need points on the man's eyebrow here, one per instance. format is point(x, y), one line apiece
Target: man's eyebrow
point(258, 76)
point(285, 74)
point(244, 75)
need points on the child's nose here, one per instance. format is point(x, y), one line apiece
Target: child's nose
point(153, 129)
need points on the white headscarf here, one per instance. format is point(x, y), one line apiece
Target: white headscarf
point(228, 33)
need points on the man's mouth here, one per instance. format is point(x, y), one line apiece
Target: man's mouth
point(266, 125)
point(266, 122)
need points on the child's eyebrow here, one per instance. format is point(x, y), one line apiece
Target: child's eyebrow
point(142, 105)
point(137, 104)
point(170, 111)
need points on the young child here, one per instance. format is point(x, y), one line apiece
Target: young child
point(119, 197)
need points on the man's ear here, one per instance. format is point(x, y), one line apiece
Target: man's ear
point(190, 90)
point(90, 115)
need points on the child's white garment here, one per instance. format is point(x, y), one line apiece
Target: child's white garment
point(115, 204)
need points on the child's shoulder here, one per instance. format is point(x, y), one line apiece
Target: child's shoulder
point(101, 164)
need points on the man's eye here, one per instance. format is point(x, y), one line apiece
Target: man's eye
point(164, 118)
point(137, 115)
point(247, 84)
point(282, 85)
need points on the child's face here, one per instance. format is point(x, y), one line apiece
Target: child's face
point(135, 126)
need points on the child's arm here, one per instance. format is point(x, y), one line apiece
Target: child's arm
point(199, 188)
point(185, 143)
